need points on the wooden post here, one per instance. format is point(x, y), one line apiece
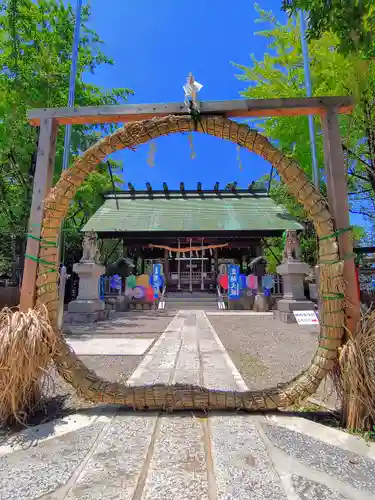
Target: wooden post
point(339, 207)
point(166, 266)
point(191, 270)
point(43, 179)
point(179, 266)
point(202, 268)
point(216, 262)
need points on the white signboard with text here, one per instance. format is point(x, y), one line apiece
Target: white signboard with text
point(306, 317)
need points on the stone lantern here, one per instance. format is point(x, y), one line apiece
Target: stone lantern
point(88, 307)
point(292, 271)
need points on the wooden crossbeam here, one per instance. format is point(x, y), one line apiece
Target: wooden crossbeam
point(230, 109)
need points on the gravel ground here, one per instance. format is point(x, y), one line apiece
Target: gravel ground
point(267, 352)
point(59, 398)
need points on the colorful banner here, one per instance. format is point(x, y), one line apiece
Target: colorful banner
point(222, 280)
point(234, 282)
point(268, 281)
point(242, 281)
point(156, 281)
point(143, 280)
point(116, 282)
point(131, 281)
point(252, 282)
point(139, 292)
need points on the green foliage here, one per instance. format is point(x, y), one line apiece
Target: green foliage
point(35, 59)
point(352, 21)
point(280, 74)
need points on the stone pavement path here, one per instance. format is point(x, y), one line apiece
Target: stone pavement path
point(114, 454)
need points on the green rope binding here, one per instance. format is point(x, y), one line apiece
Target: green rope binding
point(329, 338)
point(42, 261)
point(48, 243)
point(196, 116)
point(45, 244)
point(336, 261)
point(336, 233)
point(333, 296)
point(329, 326)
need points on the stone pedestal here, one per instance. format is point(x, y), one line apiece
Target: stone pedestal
point(261, 303)
point(292, 272)
point(87, 307)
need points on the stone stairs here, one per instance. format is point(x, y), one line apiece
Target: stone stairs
point(204, 301)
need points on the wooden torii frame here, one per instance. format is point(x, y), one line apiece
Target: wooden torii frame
point(327, 108)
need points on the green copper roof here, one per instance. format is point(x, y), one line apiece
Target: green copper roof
point(209, 213)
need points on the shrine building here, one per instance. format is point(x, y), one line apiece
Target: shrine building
point(190, 232)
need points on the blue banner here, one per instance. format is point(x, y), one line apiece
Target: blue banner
point(156, 278)
point(116, 282)
point(233, 282)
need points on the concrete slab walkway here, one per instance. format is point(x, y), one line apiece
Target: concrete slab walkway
point(113, 454)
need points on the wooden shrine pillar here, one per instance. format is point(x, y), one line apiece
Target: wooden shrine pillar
point(166, 266)
point(43, 179)
point(125, 251)
point(216, 263)
point(179, 265)
point(339, 207)
point(202, 265)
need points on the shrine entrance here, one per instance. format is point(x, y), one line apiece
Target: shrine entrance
point(337, 272)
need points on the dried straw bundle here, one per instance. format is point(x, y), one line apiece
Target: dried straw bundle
point(27, 344)
point(355, 376)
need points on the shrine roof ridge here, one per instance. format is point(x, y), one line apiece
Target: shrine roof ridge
point(178, 213)
point(188, 193)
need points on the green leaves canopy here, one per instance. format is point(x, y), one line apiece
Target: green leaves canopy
point(35, 59)
point(352, 21)
point(280, 73)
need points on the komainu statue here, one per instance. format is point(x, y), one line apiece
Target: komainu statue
point(292, 249)
point(90, 247)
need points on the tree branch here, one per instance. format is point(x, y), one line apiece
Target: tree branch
point(360, 212)
point(358, 176)
point(352, 153)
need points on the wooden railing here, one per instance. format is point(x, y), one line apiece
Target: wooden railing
point(9, 294)
point(196, 277)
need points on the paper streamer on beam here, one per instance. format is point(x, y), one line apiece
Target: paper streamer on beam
point(239, 157)
point(191, 144)
point(187, 249)
point(151, 155)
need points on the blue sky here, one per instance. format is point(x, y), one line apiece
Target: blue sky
point(155, 45)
